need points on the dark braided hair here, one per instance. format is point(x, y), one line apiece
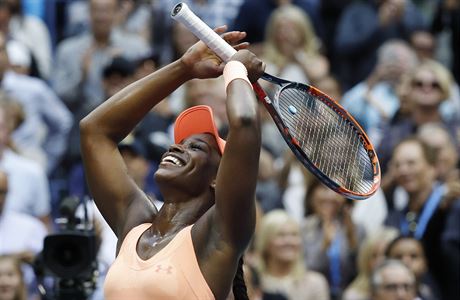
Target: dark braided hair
point(239, 286)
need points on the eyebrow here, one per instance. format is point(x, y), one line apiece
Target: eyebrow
point(208, 144)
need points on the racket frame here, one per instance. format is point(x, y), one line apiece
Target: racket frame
point(183, 14)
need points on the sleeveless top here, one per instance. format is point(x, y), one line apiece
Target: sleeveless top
point(172, 273)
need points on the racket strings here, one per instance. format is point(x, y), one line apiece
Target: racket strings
point(329, 141)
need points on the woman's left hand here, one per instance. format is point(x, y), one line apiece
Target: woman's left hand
point(202, 62)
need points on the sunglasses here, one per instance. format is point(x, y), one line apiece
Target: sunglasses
point(430, 84)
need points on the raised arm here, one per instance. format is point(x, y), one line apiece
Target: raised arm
point(237, 176)
point(101, 131)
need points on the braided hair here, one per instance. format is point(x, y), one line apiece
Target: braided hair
point(239, 286)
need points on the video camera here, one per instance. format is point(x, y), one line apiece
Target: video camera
point(69, 256)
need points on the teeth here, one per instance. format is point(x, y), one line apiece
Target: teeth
point(173, 160)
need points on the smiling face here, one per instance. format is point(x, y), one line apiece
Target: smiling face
point(426, 88)
point(191, 166)
point(285, 245)
point(412, 170)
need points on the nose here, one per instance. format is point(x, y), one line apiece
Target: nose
point(176, 148)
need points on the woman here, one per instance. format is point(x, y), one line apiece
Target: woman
point(12, 286)
point(410, 252)
point(431, 98)
point(331, 238)
point(280, 264)
point(191, 247)
point(291, 46)
point(370, 255)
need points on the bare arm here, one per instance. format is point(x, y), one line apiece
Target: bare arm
point(101, 131)
point(106, 126)
point(237, 177)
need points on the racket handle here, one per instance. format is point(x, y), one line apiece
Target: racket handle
point(182, 13)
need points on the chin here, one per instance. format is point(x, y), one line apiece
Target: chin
point(410, 189)
point(162, 175)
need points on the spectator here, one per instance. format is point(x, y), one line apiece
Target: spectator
point(12, 286)
point(42, 136)
point(28, 185)
point(213, 13)
point(374, 101)
point(331, 239)
point(291, 47)
point(447, 17)
point(32, 32)
point(430, 86)
point(78, 81)
point(117, 75)
point(21, 235)
point(363, 27)
point(253, 17)
point(371, 254)
point(280, 264)
point(134, 17)
point(447, 158)
point(450, 244)
point(410, 251)
point(424, 217)
point(27, 237)
point(392, 280)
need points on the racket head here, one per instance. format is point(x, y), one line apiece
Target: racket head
point(325, 138)
point(320, 160)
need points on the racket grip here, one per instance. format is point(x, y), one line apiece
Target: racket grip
point(182, 13)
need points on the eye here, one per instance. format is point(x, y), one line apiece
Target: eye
point(196, 146)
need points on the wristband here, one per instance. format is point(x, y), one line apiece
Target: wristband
point(235, 70)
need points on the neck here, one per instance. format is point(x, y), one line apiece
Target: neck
point(426, 114)
point(174, 216)
point(278, 268)
point(418, 199)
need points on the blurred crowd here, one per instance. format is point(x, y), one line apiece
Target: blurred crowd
point(393, 64)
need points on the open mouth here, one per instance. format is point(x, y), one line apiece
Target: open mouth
point(169, 159)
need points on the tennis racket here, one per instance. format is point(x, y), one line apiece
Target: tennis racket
point(321, 134)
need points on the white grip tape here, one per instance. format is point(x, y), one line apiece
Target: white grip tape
point(182, 13)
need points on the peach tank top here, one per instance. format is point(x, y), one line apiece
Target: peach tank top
point(172, 273)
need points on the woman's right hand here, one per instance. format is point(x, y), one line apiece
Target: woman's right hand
point(202, 62)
